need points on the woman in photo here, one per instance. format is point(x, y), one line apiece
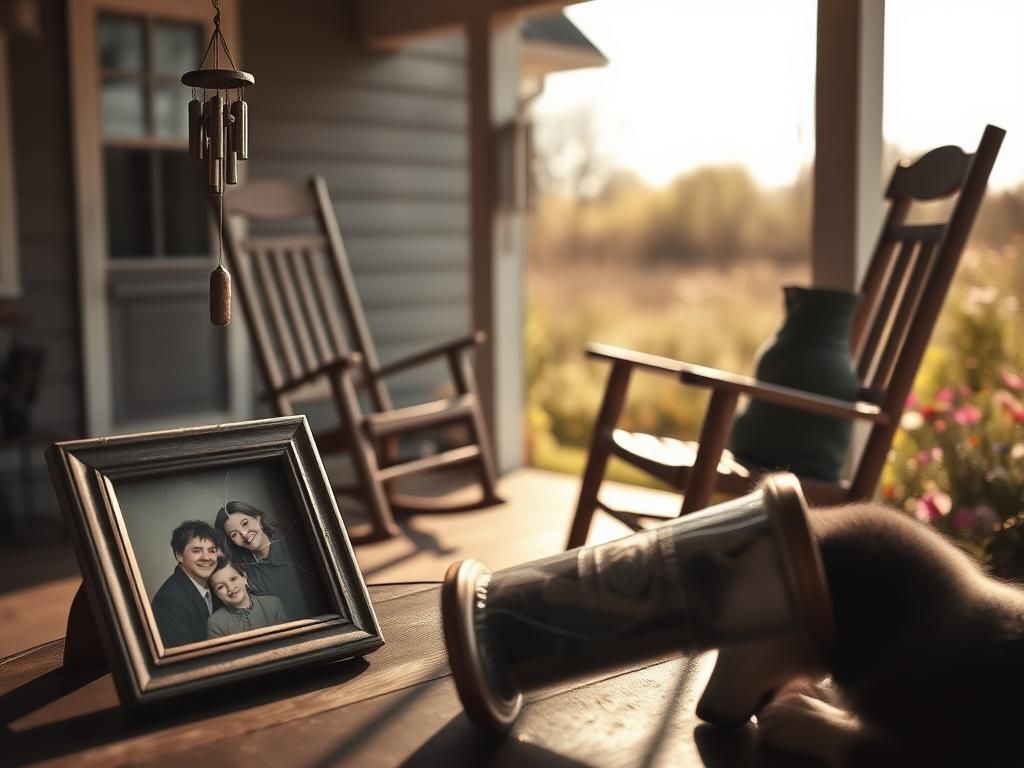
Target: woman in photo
point(252, 538)
point(241, 610)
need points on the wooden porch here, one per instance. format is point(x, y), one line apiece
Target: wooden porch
point(38, 583)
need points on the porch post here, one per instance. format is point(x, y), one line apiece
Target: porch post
point(508, 258)
point(496, 259)
point(481, 204)
point(848, 140)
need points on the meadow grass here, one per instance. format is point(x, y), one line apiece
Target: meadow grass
point(704, 315)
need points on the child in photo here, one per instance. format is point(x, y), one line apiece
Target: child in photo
point(241, 610)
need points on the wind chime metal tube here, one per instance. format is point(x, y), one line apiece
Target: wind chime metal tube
point(230, 153)
point(195, 129)
point(240, 113)
point(218, 136)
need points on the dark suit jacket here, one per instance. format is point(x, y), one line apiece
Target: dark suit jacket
point(180, 611)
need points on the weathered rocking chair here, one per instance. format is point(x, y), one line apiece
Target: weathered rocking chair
point(307, 324)
point(900, 299)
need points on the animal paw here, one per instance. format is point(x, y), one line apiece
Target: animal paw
point(795, 721)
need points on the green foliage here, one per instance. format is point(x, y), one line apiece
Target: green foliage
point(711, 215)
point(707, 316)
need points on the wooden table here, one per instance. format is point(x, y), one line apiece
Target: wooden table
point(396, 706)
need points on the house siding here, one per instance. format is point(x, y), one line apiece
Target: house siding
point(388, 132)
point(39, 112)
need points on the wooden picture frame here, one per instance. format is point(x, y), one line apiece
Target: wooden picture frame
point(116, 492)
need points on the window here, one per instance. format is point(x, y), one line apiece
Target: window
point(154, 193)
point(10, 286)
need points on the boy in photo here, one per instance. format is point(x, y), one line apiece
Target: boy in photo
point(184, 603)
point(241, 610)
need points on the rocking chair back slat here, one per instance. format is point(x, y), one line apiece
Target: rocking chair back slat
point(913, 288)
point(351, 304)
point(882, 313)
point(271, 292)
point(874, 279)
point(327, 302)
point(315, 310)
point(294, 309)
point(247, 290)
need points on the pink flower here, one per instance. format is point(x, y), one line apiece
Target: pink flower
point(967, 415)
point(944, 395)
point(911, 401)
point(932, 506)
point(1012, 380)
point(923, 457)
point(937, 453)
point(1010, 404)
point(1005, 399)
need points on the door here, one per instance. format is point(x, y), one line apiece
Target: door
point(151, 357)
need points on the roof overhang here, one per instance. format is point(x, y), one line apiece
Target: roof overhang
point(389, 24)
point(540, 59)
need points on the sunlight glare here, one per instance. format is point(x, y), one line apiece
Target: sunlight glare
point(698, 82)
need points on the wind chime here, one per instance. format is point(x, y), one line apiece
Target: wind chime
point(218, 135)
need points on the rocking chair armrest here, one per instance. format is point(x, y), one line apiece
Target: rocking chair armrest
point(351, 360)
point(698, 375)
point(418, 358)
point(654, 363)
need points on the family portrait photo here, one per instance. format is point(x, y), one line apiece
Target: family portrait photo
point(209, 555)
point(221, 551)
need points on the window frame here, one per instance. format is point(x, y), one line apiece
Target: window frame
point(149, 141)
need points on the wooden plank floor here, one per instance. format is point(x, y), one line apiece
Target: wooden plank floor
point(37, 584)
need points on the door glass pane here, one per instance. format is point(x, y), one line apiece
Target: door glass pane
point(122, 43)
point(186, 228)
point(170, 110)
point(128, 181)
point(123, 107)
point(175, 48)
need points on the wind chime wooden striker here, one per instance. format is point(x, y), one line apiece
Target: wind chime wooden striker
point(218, 135)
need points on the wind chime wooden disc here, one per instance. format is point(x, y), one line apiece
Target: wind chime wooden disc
point(215, 79)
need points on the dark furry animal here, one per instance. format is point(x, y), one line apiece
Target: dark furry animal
point(927, 667)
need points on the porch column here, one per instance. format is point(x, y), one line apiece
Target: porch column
point(848, 140)
point(496, 238)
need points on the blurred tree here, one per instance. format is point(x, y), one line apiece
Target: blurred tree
point(568, 158)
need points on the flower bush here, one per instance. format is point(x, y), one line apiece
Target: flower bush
point(958, 461)
point(963, 462)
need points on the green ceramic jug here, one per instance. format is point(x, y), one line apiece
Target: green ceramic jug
point(810, 353)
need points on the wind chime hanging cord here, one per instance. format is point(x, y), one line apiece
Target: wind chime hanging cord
point(220, 278)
